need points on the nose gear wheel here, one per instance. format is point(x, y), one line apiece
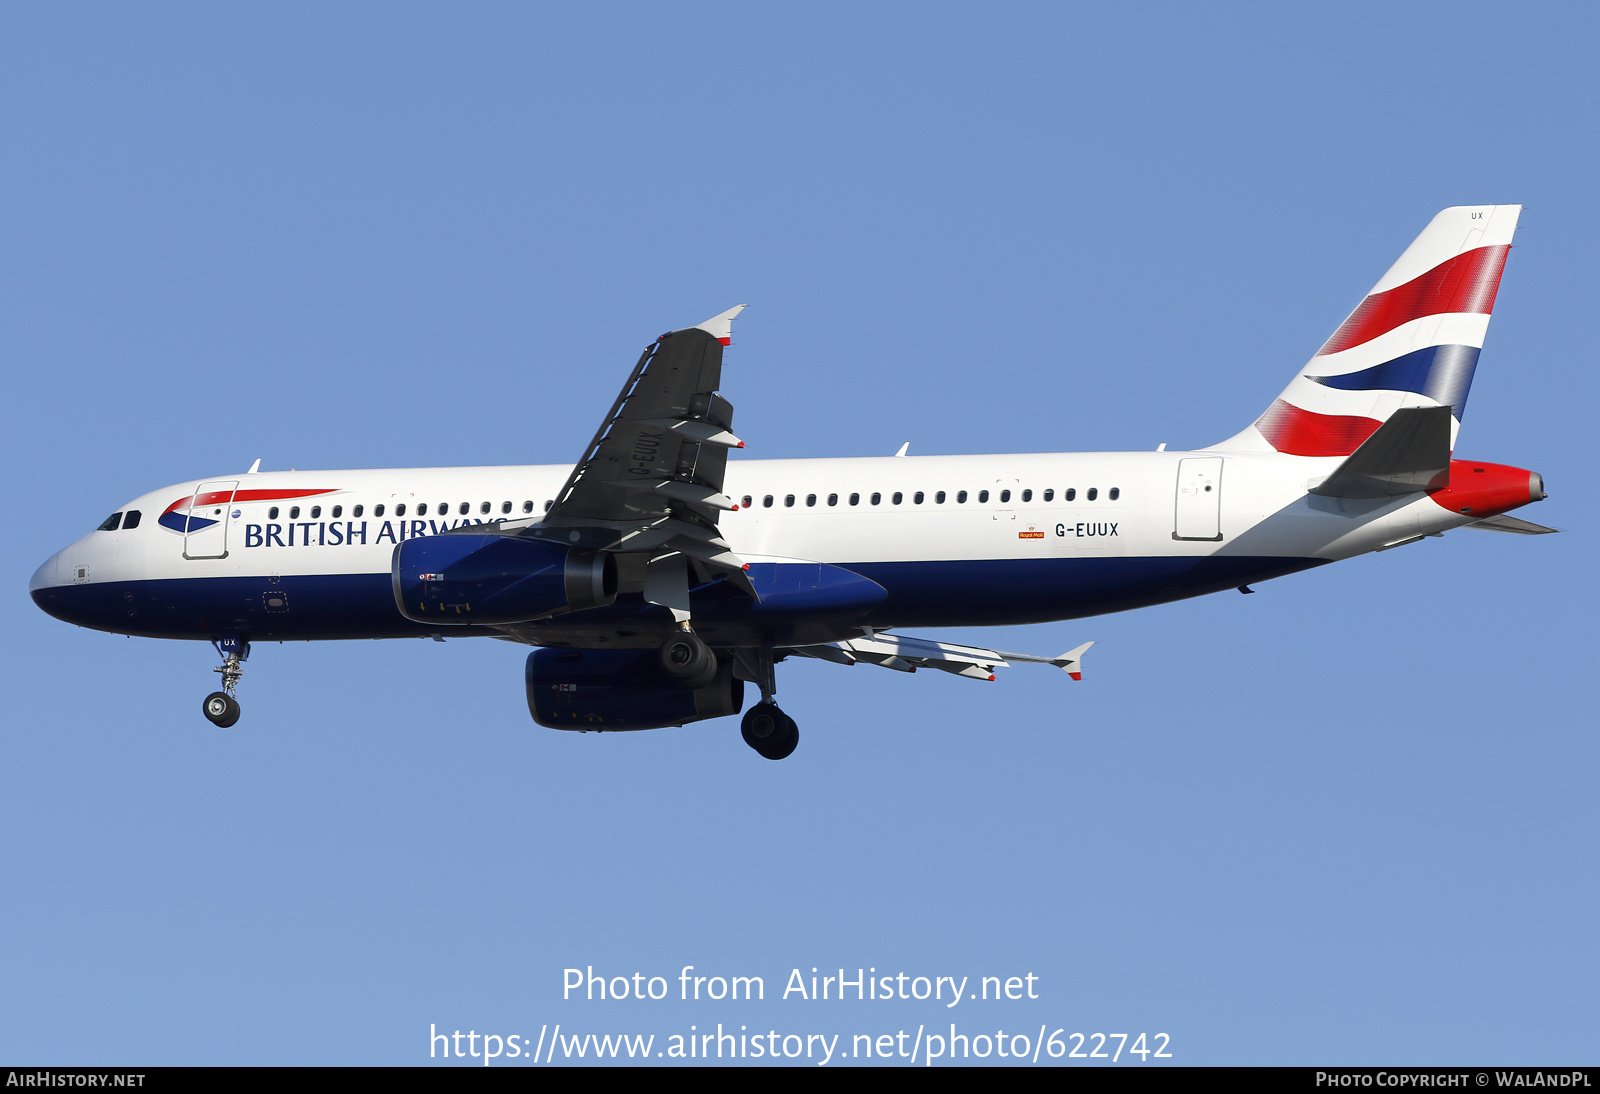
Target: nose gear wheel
point(220, 707)
point(221, 710)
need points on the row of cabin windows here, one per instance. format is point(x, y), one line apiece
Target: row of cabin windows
point(1069, 494)
point(442, 509)
point(130, 519)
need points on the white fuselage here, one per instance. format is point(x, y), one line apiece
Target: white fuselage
point(1067, 506)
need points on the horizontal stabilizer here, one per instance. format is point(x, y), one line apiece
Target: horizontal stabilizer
point(1515, 526)
point(1408, 453)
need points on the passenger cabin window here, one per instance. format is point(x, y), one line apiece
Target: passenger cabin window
point(316, 511)
point(1116, 492)
point(466, 507)
point(547, 505)
point(377, 510)
point(917, 497)
point(876, 498)
point(1071, 493)
point(131, 520)
point(484, 508)
point(1005, 495)
point(356, 512)
point(766, 502)
point(1049, 495)
point(961, 497)
point(833, 499)
point(1027, 495)
point(272, 514)
point(294, 511)
point(110, 523)
point(811, 499)
point(338, 511)
point(399, 511)
point(422, 509)
point(898, 497)
point(938, 499)
point(527, 507)
point(746, 501)
point(788, 501)
point(983, 495)
point(855, 499)
point(505, 507)
point(1093, 493)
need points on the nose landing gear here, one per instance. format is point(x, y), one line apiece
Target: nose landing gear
point(220, 707)
point(222, 710)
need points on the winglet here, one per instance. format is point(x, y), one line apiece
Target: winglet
point(1072, 661)
point(720, 327)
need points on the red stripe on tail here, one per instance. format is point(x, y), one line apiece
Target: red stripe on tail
point(1302, 433)
point(1466, 283)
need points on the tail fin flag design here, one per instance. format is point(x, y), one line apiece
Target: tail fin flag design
point(1413, 341)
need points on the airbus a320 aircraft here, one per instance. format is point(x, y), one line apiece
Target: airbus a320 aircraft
point(658, 577)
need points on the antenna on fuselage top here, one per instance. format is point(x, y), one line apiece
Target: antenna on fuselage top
point(254, 467)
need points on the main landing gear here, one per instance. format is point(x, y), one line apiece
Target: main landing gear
point(769, 731)
point(765, 728)
point(220, 707)
point(688, 659)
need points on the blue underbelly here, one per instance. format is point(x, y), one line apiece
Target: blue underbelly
point(920, 594)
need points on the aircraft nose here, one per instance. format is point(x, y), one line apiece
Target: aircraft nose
point(61, 587)
point(45, 577)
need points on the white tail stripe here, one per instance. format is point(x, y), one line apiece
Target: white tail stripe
point(1456, 329)
point(1452, 232)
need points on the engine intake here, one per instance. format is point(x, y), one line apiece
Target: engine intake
point(621, 689)
point(464, 579)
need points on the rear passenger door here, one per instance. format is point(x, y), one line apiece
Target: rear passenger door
point(1198, 510)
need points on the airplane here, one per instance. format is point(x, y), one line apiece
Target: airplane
point(656, 576)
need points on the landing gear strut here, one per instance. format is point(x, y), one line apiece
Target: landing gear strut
point(765, 728)
point(220, 707)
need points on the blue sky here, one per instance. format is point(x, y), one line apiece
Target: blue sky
point(1348, 820)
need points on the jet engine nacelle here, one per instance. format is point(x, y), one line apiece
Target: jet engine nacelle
point(621, 689)
point(462, 579)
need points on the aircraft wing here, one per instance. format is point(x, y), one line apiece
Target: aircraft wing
point(651, 480)
point(906, 654)
point(666, 438)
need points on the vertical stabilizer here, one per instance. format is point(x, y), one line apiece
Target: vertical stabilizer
point(1413, 342)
